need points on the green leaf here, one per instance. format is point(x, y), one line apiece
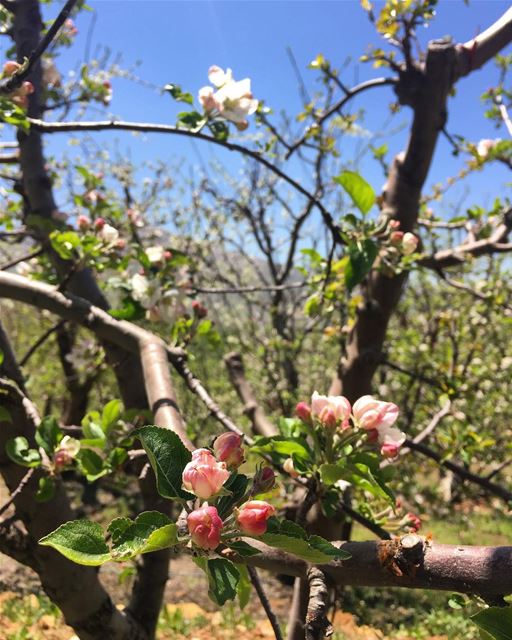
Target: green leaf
point(150, 531)
point(323, 545)
point(191, 119)
point(296, 546)
point(244, 586)
point(496, 621)
point(223, 577)
point(91, 464)
point(282, 446)
point(5, 416)
point(331, 473)
point(48, 434)
point(81, 541)
point(178, 94)
point(237, 485)
point(168, 457)
point(362, 194)
point(220, 130)
point(110, 414)
point(19, 452)
point(242, 548)
point(46, 489)
point(361, 257)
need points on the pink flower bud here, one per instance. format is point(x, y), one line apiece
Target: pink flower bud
point(395, 238)
point(389, 450)
point(61, 459)
point(10, 67)
point(264, 480)
point(99, 223)
point(228, 448)
point(374, 414)
point(303, 412)
point(253, 515)
point(199, 309)
point(330, 411)
point(413, 521)
point(409, 243)
point(394, 224)
point(83, 223)
point(205, 526)
point(167, 255)
point(203, 475)
point(121, 244)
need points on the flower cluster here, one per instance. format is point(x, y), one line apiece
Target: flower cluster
point(374, 417)
point(486, 146)
point(229, 99)
point(205, 476)
point(20, 95)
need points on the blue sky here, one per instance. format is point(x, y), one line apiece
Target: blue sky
point(176, 41)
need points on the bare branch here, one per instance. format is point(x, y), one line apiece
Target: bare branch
point(40, 341)
point(260, 424)
point(350, 93)
point(265, 603)
point(23, 483)
point(61, 127)
point(317, 625)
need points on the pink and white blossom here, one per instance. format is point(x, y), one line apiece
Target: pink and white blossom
point(331, 411)
point(228, 448)
point(204, 475)
point(370, 413)
point(409, 243)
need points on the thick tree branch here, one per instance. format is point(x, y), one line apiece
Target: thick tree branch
point(409, 562)
point(260, 424)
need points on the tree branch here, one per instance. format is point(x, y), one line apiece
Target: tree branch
point(265, 603)
point(108, 125)
point(317, 625)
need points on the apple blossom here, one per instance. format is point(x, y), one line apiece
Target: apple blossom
point(109, 234)
point(289, 468)
point(331, 411)
point(67, 451)
point(253, 515)
point(83, 223)
point(486, 145)
point(413, 521)
point(228, 448)
point(391, 440)
point(370, 413)
point(99, 223)
point(233, 99)
point(205, 527)
point(409, 243)
point(147, 292)
point(155, 254)
point(203, 475)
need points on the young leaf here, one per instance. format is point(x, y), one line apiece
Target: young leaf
point(282, 446)
point(244, 586)
point(80, 541)
point(242, 548)
point(168, 457)
point(19, 452)
point(362, 194)
point(150, 531)
point(361, 257)
point(496, 621)
point(237, 485)
point(5, 416)
point(331, 473)
point(110, 414)
point(223, 577)
point(46, 489)
point(48, 434)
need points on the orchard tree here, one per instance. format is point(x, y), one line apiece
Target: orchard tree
point(266, 265)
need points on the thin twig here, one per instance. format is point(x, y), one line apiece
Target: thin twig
point(60, 127)
point(23, 483)
point(250, 289)
point(15, 261)
point(265, 603)
point(8, 85)
point(40, 341)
